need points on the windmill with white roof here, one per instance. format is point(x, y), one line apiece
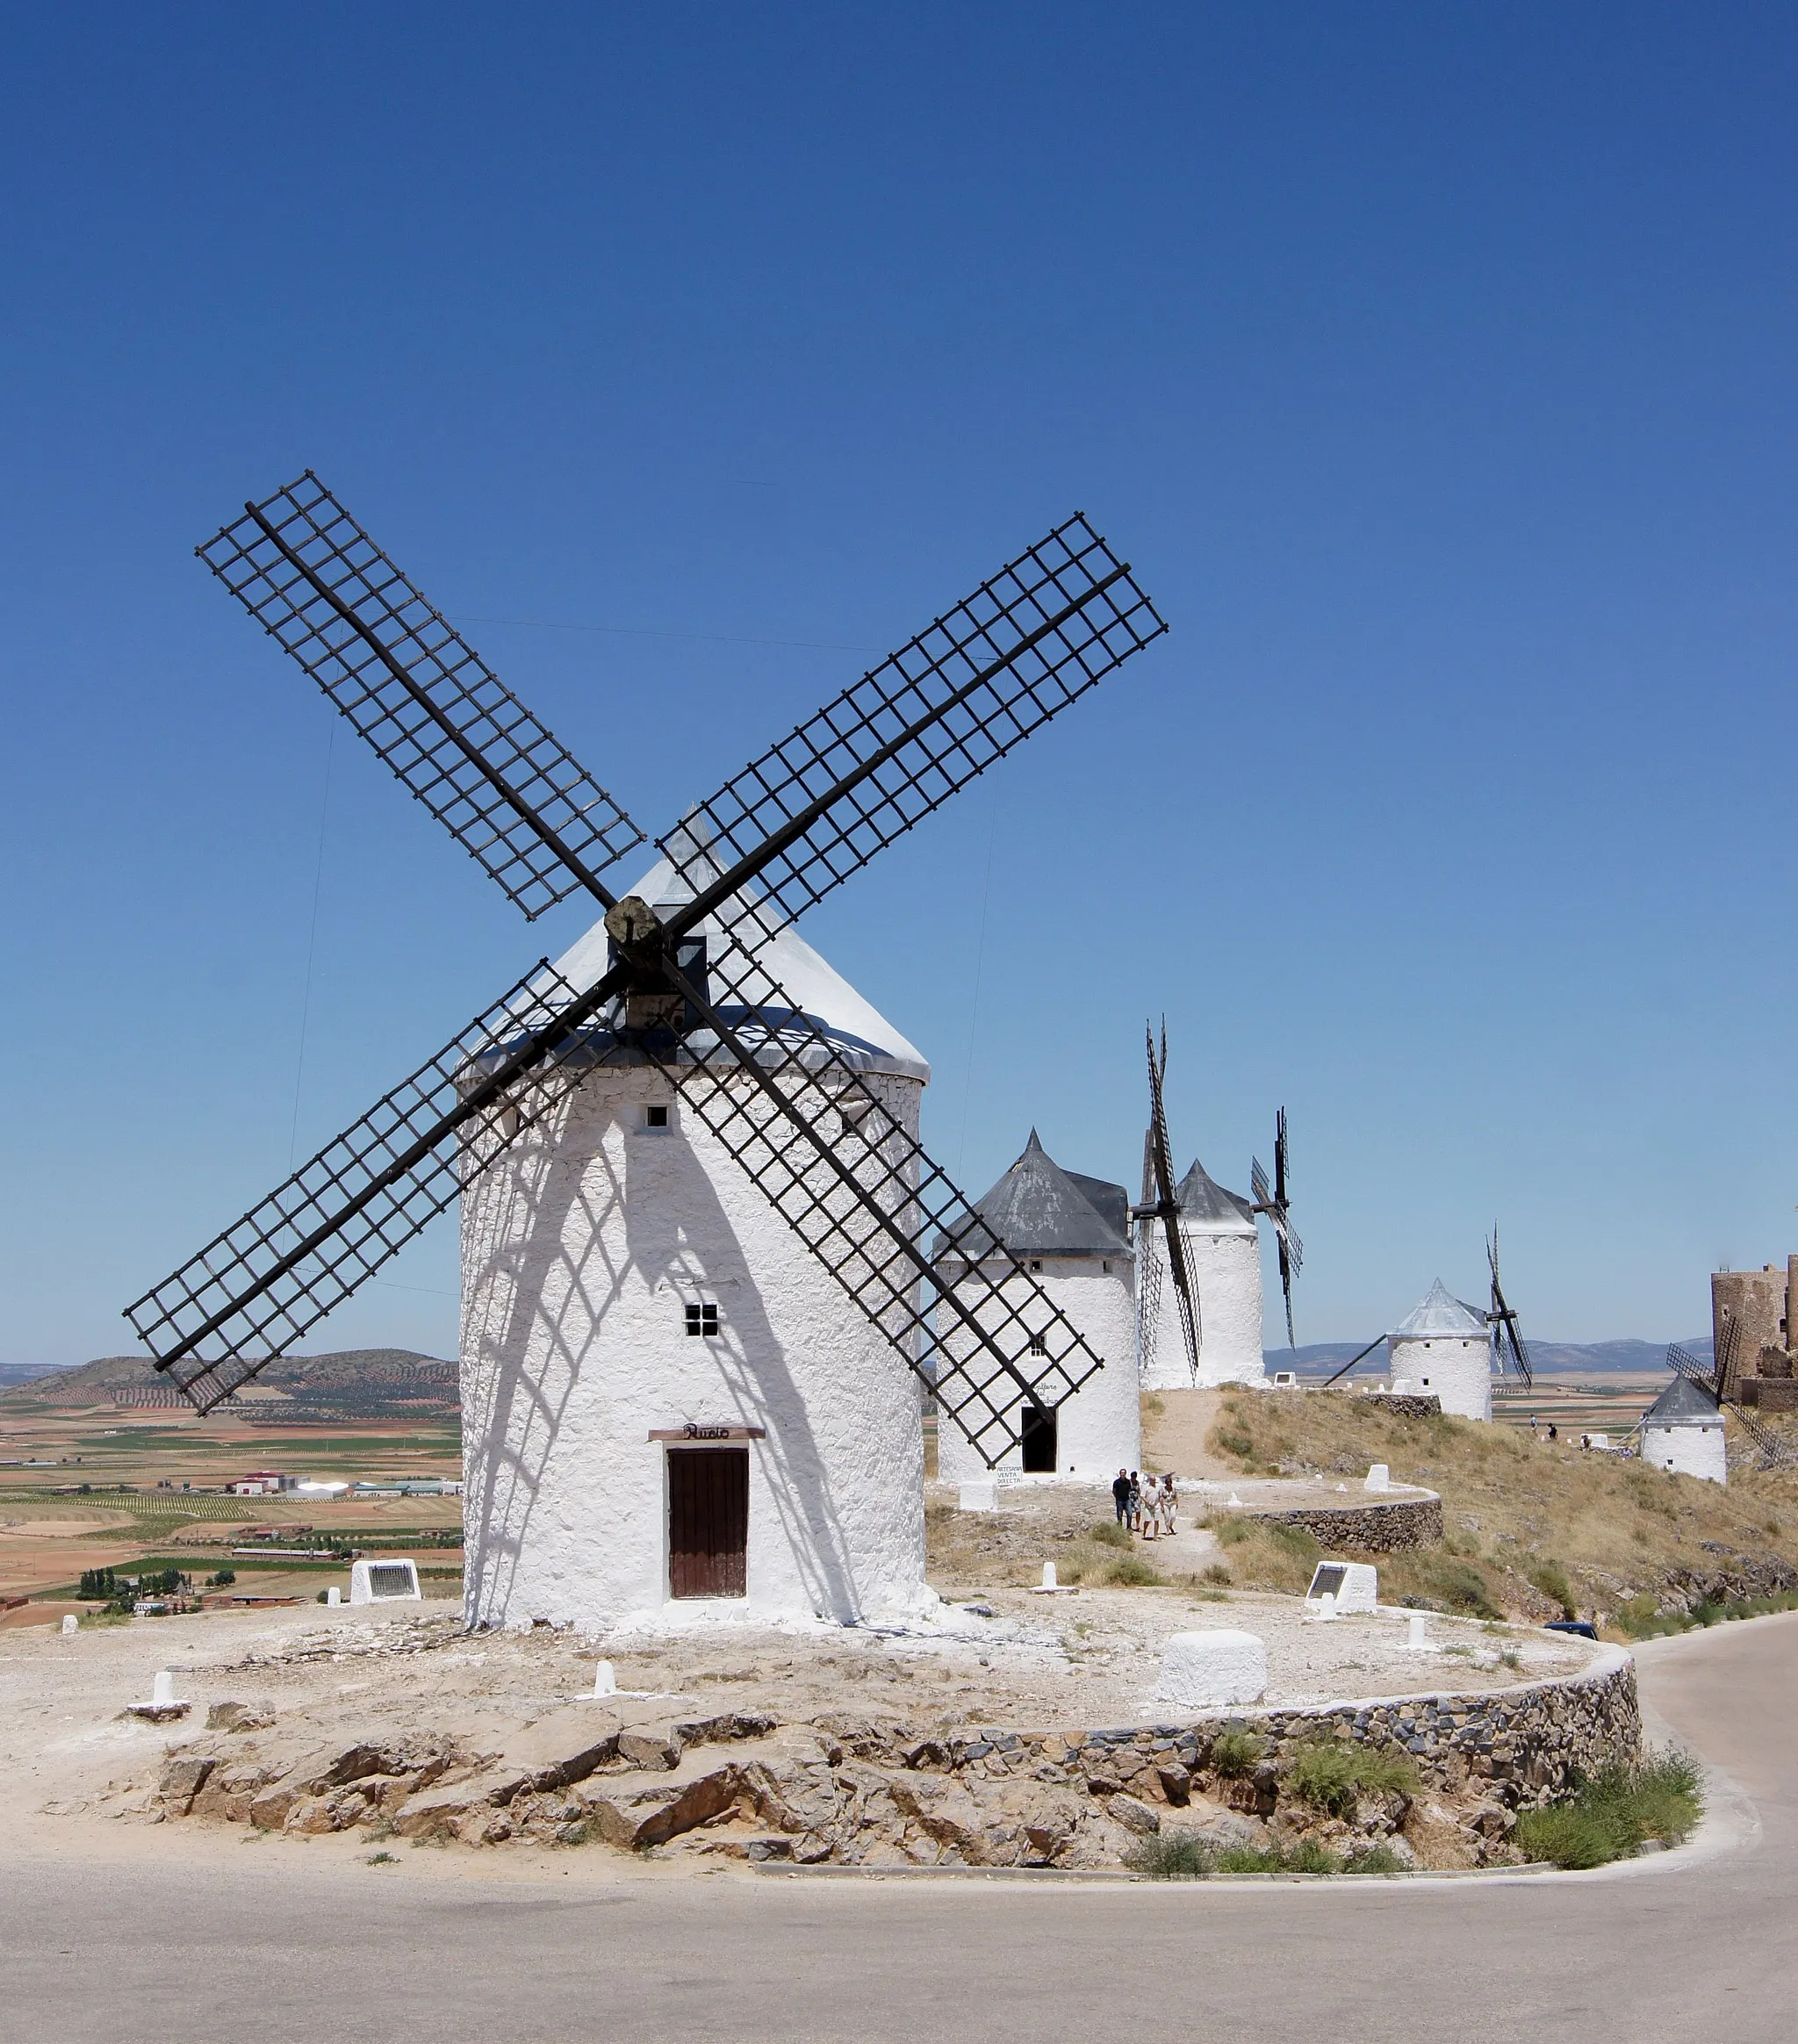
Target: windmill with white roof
point(693, 1201)
point(1442, 1349)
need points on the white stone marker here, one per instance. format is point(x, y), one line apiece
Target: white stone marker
point(384, 1582)
point(1049, 1582)
point(980, 1495)
point(162, 1689)
point(1417, 1633)
point(1351, 1586)
point(1202, 1670)
point(1379, 1478)
point(334, 1596)
point(605, 1680)
point(71, 1624)
point(1326, 1606)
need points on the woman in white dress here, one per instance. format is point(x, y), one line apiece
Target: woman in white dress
point(1171, 1503)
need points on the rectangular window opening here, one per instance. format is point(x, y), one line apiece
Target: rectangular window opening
point(701, 1319)
point(656, 1116)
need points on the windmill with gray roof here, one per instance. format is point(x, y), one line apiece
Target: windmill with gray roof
point(1070, 1233)
point(1199, 1266)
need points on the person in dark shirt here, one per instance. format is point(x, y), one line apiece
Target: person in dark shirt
point(1121, 1495)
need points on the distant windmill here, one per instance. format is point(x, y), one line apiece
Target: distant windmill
point(1711, 1378)
point(1508, 1351)
point(1279, 1210)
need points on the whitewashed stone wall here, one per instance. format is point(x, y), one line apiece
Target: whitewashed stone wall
point(580, 1251)
point(1226, 1270)
point(1457, 1369)
point(1696, 1450)
point(1099, 1428)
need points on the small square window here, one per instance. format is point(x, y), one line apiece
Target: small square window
point(1039, 1345)
point(702, 1320)
point(656, 1116)
point(1036, 1263)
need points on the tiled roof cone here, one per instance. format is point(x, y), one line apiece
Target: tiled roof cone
point(1038, 1209)
point(1203, 1200)
point(1438, 1313)
point(1683, 1404)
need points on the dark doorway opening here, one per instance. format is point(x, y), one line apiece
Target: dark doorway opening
point(1038, 1442)
point(709, 1521)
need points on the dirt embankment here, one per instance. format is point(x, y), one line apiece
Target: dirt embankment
point(1532, 1527)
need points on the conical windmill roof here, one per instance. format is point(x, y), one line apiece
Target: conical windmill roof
point(1211, 1208)
point(1439, 1313)
point(1038, 1209)
point(861, 1035)
point(1682, 1403)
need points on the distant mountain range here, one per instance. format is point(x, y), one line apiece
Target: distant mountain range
point(403, 1373)
point(366, 1382)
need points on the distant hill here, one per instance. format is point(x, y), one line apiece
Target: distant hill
point(1636, 1358)
point(11, 1373)
point(350, 1382)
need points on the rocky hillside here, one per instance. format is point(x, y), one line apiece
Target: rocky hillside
point(365, 1382)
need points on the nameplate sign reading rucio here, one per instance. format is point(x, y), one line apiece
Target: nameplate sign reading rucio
point(693, 1431)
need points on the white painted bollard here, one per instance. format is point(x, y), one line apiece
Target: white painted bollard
point(1049, 1582)
point(334, 1596)
point(1379, 1478)
point(162, 1689)
point(1201, 1671)
point(71, 1624)
point(1326, 1605)
point(1417, 1632)
point(605, 1680)
point(1236, 1502)
point(980, 1495)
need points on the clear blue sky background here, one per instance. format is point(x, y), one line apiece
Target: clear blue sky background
point(1434, 365)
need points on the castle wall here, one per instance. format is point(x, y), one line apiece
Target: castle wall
point(1455, 1368)
point(1225, 1270)
point(1756, 1302)
point(581, 1249)
point(1099, 1428)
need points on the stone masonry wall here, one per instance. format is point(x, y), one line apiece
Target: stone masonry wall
point(1379, 1528)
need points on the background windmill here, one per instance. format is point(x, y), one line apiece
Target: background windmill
point(1508, 1350)
point(1279, 1210)
point(688, 992)
point(1712, 1378)
point(1198, 1264)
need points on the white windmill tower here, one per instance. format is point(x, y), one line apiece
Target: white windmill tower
point(1070, 1233)
point(1442, 1349)
point(1198, 1273)
point(694, 1203)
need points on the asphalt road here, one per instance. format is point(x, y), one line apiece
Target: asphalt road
point(1698, 1945)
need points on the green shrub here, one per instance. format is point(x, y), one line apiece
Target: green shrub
point(1616, 1812)
point(1306, 1857)
point(1233, 1532)
point(1328, 1773)
point(1235, 1751)
point(1171, 1855)
point(1374, 1860)
point(1109, 1533)
point(1130, 1571)
point(1550, 1579)
point(1296, 1540)
point(1234, 1444)
point(1216, 1574)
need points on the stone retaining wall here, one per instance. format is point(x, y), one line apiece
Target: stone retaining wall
point(1530, 1745)
point(1391, 1528)
point(1408, 1405)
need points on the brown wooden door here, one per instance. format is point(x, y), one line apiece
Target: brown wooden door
point(709, 1521)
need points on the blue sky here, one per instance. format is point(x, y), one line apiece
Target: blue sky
point(1433, 364)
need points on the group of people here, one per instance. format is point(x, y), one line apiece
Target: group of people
point(1146, 1504)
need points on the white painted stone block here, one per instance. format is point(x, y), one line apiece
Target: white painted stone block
point(334, 1596)
point(1417, 1633)
point(384, 1582)
point(1201, 1671)
point(1049, 1582)
point(1379, 1478)
point(1351, 1586)
point(980, 1495)
point(162, 1689)
point(71, 1624)
point(605, 1680)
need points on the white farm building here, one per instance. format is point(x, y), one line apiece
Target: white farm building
point(1223, 1256)
point(1071, 1233)
point(1683, 1431)
point(1443, 1348)
point(670, 1407)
